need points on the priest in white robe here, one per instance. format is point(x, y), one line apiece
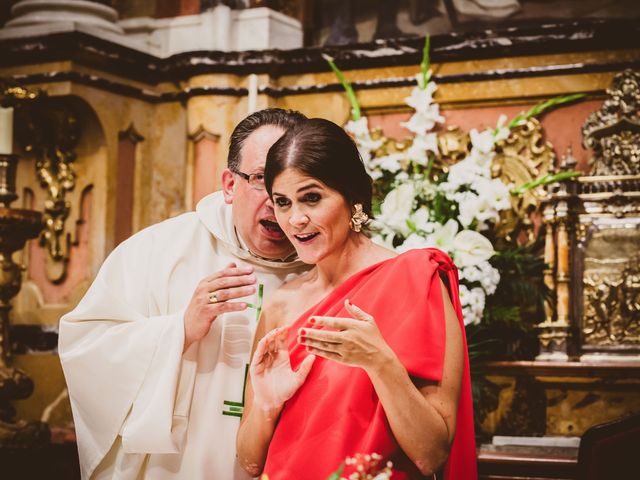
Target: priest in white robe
point(155, 353)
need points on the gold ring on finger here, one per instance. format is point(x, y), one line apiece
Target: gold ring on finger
point(213, 297)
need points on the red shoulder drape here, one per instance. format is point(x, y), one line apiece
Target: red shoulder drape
point(336, 413)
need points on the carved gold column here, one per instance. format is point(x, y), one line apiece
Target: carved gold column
point(555, 330)
point(555, 335)
point(549, 261)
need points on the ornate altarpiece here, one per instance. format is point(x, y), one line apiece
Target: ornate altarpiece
point(593, 239)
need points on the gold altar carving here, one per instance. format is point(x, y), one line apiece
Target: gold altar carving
point(453, 145)
point(50, 130)
point(522, 158)
point(593, 239)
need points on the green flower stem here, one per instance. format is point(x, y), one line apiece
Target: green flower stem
point(546, 180)
point(426, 63)
point(258, 305)
point(543, 106)
point(338, 473)
point(260, 296)
point(351, 96)
point(427, 172)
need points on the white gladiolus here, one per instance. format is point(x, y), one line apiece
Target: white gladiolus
point(502, 132)
point(366, 145)
point(358, 128)
point(483, 141)
point(470, 273)
point(420, 148)
point(391, 163)
point(490, 278)
point(471, 248)
point(472, 301)
point(423, 121)
point(467, 207)
point(420, 99)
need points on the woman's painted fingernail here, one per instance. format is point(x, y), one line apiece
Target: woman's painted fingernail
point(302, 332)
point(312, 320)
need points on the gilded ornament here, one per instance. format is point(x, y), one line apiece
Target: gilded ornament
point(613, 132)
point(49, 129)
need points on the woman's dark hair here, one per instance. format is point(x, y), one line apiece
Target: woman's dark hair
point(321, 149)
point(276, 117)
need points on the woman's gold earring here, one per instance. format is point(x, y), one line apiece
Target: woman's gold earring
point(358, 218)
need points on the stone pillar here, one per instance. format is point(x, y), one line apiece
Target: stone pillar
point(94, 14)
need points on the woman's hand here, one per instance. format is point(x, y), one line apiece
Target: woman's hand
point(272, 379)
point(357, 341)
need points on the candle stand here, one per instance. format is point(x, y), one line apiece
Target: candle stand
point(16, 227)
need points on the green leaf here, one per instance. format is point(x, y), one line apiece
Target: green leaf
point(351, 96)
point(543, 106)
point(412, 225)
point(546, 180)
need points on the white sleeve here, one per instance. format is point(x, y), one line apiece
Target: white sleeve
point(124, 367)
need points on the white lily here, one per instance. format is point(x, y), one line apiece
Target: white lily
point(483, 141)
point(397, 206)
point(443, 235)
point(422, 220)
point(413, 241)
point(471, 248)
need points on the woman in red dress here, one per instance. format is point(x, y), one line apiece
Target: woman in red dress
point(366, 352)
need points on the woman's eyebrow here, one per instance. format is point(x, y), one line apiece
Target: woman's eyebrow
point(301, 189)
point(307, 187)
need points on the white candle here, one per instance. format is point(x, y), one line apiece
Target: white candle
point(252, 100)
point(6, 130)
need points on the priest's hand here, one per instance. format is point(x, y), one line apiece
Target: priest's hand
point(272, 379)
point(211, 298)
point(353, 341)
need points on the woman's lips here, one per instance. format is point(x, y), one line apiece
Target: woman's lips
point(306, 237)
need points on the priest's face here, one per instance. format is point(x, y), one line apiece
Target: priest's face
point(314, 216)
point(253, 214)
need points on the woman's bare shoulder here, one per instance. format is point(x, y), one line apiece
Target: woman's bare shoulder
point(278, 309)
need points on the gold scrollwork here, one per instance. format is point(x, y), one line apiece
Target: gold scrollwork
point(49, 129)
point(521, 158)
